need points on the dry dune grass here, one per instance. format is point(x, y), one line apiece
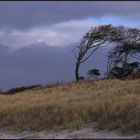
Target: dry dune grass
point(133, 76)
point(110, 103)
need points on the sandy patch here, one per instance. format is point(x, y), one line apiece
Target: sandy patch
point(87, 132)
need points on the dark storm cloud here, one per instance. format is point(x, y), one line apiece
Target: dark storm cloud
point(34, 65)
point(29, 14)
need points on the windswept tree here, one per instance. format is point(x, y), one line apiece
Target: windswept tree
point(124, 50)
point(97, 36)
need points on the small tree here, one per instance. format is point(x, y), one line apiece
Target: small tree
point(94, 73)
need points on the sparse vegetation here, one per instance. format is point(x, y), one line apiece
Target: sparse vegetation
point(110, 103)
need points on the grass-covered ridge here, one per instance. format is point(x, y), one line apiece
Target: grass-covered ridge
point(110, 103)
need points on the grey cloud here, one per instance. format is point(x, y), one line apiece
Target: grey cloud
point(60, 35)
point(28, 14)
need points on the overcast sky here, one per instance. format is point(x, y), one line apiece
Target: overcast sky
point(36, 38)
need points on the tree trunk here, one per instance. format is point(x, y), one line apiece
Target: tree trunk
point(77, 71)
point(124, 64)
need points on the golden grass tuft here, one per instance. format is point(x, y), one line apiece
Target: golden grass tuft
point(134, 76)
point(110, 103)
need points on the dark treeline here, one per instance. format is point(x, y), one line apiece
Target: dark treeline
point(19, 89)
